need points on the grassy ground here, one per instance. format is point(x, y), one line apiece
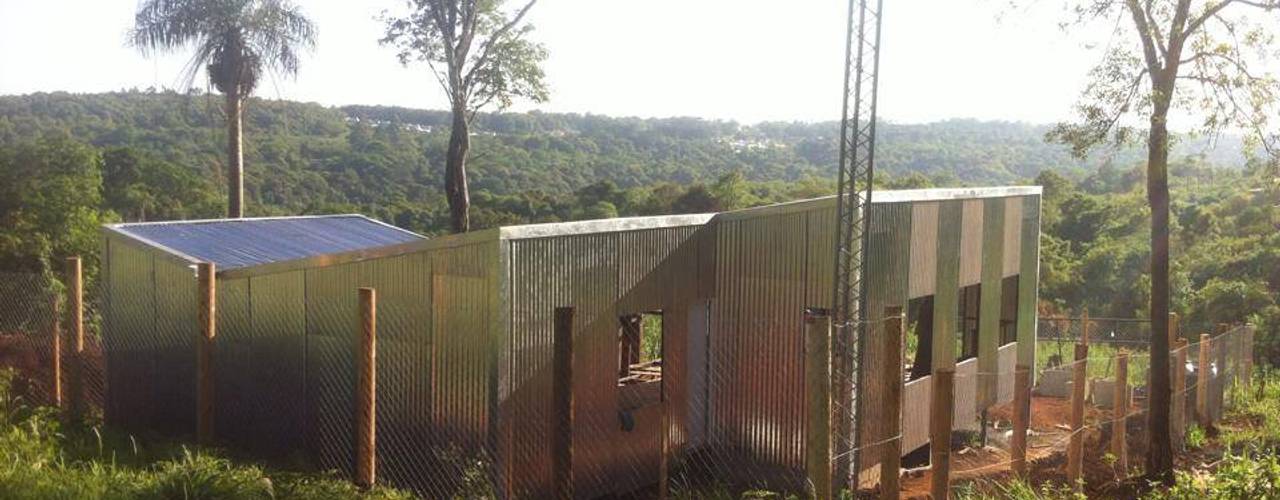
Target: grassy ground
point(40, 458)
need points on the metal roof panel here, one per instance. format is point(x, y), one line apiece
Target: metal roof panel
point(241, 243)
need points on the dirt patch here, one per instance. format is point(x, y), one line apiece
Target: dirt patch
point(1047, 444)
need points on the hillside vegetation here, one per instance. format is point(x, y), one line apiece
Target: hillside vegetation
point(71, 162)
point(388, 161)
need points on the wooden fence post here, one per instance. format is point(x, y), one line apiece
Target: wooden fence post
point(55, 334)
point(1075, 449)
point(817, 368)
point(206, 283)
point(367, 391)
point(891, 458)
point(74, 394)
point(562, 400)
point(1222, 348)
point(1120, 414)
point(942, 409)
point(1246, 356)
point(664, 462)
point(1021, 419)
point(1178, 414)
point(1202, 382)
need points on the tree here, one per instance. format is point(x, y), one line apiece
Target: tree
point(480, 55)
point(235, 41)
point(50, 194)
point(1168, 55)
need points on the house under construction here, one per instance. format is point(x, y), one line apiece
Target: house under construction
point(702, 312)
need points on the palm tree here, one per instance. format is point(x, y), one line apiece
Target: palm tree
point(235, 41)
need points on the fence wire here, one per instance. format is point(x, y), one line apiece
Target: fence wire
point(287, 354)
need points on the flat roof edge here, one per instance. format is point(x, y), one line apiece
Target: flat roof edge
point(939, 194)
point(601, 226)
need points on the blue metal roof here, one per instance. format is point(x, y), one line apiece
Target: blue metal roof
point(239, 243)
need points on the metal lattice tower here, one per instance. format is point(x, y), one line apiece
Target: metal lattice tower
point(853, 220)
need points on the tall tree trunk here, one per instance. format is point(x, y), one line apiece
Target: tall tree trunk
point(1160, 454)
point(455, 172)
point(235, 156)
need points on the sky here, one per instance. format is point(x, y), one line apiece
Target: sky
point(743, 60)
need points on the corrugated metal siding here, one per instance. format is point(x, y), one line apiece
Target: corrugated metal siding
point(150, 338)
point(924, 249)
point(602, 275)
point(1013, 235)
point(762, 266)
point(888, 282)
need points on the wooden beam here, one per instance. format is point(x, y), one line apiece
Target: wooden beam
point(1178, 414)
point(1021, 419)
point(207, 315)
point(562, 401)
point(817, 368)
point(55, 339)
point(891, 452)
point(1202, 382)
point(1075, 449)
point(942, 409)
point(367, 392)
point(74, 394)
point(1120, 414)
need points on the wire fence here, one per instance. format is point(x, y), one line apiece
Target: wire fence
point(36, 322)
point(286, 387)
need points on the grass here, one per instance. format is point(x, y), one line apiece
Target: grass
point(1101, 359)
point(42, 459)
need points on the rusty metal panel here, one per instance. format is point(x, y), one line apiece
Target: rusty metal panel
point(924, 249)
point(991, 262)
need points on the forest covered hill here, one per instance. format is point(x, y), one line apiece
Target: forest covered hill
point(354, 153)
point(71, 162)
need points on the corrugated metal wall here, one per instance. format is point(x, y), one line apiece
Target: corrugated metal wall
point(603, 275)
point(770, 264)
point(149, 336)
point(286, 356)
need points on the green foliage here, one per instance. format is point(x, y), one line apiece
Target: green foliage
point(50, 202)
point(1225, 247)
point(1013, 490)
point(1237, 477)
point(1196, 436)
point(235, 40)
point(39, 459)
